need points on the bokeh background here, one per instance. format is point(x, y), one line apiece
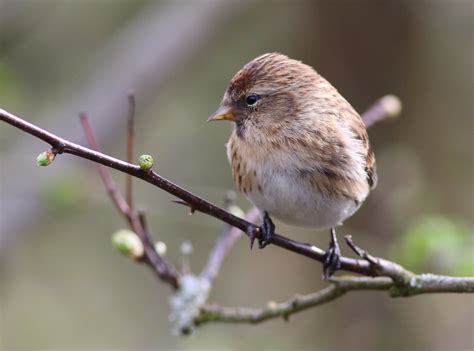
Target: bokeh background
point(64, 287)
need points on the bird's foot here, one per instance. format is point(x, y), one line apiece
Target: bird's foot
point(267, 229)
point(332, 260)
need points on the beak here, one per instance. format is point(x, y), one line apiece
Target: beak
point(222, 113)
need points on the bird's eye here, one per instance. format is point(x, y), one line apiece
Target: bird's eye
point(251, 99)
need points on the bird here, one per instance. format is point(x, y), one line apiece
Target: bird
point(298, 150)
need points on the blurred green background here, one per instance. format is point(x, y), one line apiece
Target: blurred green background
point(63, 286)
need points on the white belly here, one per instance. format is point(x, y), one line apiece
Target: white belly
point(293, 201)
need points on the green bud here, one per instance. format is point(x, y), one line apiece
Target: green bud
point(45, 158)
point(145, 162)
point(128, 243)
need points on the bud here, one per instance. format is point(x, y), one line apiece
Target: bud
point(236, 211)
point(392, 105)
point(145, 162)
point(45, 158)
point(128, 243)
point(272, 305)
point(229, 198)
point(186, 248)
point(160, 248)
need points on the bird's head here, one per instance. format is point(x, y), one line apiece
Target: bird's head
point(265, 95)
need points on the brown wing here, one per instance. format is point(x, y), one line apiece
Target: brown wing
point(371, 169)
point(358, 128)
point(322, 156)
point(330, 105)
point(337, 169)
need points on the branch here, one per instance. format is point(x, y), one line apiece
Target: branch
point(164, 270)
point(298, 303)
point(224, 244)
point(420, 284)
point(395, 279)
point(407, 283)
point(389, 106)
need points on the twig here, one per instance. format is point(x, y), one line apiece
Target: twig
point(298, 303)
point(164, 270)
point(382, 267)
point(388, 106)
point(407, 283)
point(130, 143)
point(419, 284)
point(107, 179)
point(224, 244)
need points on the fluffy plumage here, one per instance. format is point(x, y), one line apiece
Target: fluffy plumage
point(300, 151)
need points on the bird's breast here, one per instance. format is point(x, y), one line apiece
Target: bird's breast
point(275, 186)
point(244, 168)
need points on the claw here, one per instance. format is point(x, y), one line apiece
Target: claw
point(267, 229)
point(332, 261)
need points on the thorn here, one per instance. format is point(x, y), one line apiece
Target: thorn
point(254, 232)
point(181, 202)
point(361, 253)
point(187, 204)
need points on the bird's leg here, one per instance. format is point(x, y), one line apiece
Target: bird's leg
point(333, 254)
point(267, 229)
